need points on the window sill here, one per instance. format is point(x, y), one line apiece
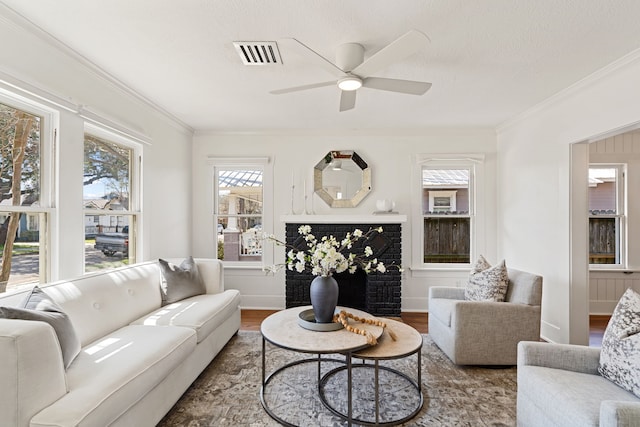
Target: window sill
point(239, 265)
point(439, 271)
point(613, 270)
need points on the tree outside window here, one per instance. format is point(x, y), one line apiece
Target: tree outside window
point(21, 214)
point(109, 209)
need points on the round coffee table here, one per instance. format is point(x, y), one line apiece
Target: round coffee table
point(408, 342)
point(282, 330)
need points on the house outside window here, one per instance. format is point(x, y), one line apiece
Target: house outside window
point(241, 204)
point(238, 212)
point(448, 211)
point(607, 215)
point(26, 152)
point(111, 199)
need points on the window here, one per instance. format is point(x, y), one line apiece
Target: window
point(607, 221)
point(448, 209)
point(447, 220)
point(24, 194)
point(238, 212)
point(110, 200)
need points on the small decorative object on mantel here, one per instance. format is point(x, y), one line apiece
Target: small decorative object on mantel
point(385, 207)
point(324, 258)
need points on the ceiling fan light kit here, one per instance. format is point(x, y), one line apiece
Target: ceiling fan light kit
point(350, 83)
point(353, 72)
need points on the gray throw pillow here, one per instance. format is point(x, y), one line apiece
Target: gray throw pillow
point(620, 352)
point(487, 283)
point(38, 306)
point(180, 282)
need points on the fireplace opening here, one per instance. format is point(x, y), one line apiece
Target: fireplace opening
point(353, 289)
point(377, 293)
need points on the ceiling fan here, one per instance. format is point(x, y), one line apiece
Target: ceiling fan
point(353, 72)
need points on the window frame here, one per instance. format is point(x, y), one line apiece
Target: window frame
point(621, 215)
point(135, 190)
point(49, 123)
point(475, 164)
point(259, 163)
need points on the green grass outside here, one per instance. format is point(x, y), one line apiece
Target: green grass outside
point(23, 249)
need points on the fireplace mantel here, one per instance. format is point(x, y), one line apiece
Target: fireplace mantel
point(344, 219)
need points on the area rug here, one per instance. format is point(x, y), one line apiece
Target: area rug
point(227, 393)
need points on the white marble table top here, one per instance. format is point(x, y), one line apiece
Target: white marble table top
point(282, 329)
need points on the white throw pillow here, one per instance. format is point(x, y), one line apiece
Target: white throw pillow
point(620, 352)
point(487, 283)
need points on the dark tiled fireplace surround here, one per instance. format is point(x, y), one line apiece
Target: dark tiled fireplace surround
point(377, 293)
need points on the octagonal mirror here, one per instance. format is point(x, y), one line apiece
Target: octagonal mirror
point(342, 179)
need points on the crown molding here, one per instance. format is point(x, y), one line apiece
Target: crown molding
point(17, 21)
point(580, 85)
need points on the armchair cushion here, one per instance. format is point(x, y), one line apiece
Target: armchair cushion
point(487, 283)
point(559, 385)
point(620, 355)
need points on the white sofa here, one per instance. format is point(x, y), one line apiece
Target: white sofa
point(137, 358)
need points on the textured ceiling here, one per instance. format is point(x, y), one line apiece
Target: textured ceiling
point(488, 60)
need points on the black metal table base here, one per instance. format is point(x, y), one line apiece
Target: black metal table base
point(348, 366)
point(319, 359)
point(376, 421)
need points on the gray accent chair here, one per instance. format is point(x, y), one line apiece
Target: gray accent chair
point(486, 333)
point(559, 385)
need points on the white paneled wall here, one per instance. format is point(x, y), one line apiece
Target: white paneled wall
point(606, 287)
point(625, 143)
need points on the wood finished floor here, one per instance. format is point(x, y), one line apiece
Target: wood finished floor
point(251, 320)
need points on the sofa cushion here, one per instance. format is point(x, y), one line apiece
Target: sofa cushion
point(111, 374)
point(38, 306)
point(487, 283)
point(620, 354)
point(570, 398)
point(102, 302)
point(203, 313)
point(180, 282)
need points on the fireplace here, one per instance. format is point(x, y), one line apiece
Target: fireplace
point(375, 293)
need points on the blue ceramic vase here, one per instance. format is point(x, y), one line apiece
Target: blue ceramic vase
point(324, 298)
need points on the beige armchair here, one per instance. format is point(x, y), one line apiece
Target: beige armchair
point(486, 333)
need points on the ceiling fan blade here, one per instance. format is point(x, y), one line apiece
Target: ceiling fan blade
point(347, 100)
point(394, 85)
point(399, 49)
point(306, 52)
point(303, 87)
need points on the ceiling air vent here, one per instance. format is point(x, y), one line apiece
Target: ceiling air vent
point(258, 53)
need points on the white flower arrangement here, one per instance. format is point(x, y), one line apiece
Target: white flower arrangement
point(327, 256)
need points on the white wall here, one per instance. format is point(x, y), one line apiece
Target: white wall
point(29, 60)
point(534, 188)
point(389, 155)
